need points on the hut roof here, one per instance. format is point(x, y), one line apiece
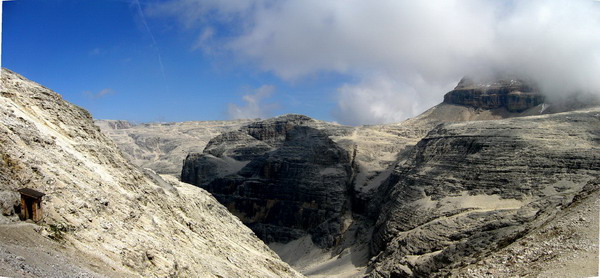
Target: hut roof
point(31, 193)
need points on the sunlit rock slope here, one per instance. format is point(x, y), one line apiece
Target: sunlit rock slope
point(101, 206)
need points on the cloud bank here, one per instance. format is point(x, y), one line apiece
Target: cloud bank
point(404, 54)
point(254, 105)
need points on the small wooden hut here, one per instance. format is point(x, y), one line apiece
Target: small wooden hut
point(31, 204)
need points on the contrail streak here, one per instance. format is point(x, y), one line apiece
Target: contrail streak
point(1, 42)
point(143, 17)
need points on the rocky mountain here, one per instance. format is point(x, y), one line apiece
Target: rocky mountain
point(482, 178)
point(505, 96)
point(470, 189)
point(105, 216)
point(162, 147)
point(461, 194)
point(283, 178)
point(515, 95)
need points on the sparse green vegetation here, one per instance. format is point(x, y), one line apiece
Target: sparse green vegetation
point(57, 231)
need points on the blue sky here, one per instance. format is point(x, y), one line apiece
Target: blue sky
point(99, 55)
point(351, 61)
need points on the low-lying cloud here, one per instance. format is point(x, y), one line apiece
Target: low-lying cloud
point(254, 105)
point(406, 54)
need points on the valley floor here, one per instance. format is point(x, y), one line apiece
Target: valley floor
point(314, 262)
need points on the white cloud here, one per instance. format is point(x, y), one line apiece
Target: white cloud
point(203, 42)
point(401, 49)
point(102, 93)
point(254, 106)
point(382, 99)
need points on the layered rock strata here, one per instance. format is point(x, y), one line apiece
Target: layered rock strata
point(470, 189)
point(513, 94)
point(283, 178)
point(466, 194)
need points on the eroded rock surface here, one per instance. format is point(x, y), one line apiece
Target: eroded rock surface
point(564, 246)
point(514, 94)
point(162, 147)
point(282, 177)
point(468, 193)
point(472, 188)
point(97, 204)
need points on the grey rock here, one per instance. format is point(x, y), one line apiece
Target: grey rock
point(283, 178)
point(514, 94)
point(469, 189)
point(9, 203)
point(437, 206)
point(162, 147)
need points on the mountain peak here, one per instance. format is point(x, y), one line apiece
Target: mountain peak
point(510, 92)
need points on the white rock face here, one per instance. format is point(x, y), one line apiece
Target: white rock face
point(133, 221)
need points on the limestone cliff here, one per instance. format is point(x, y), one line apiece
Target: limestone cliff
point(513, 94)
point(470, 189)
point(429, 197)
point(283, 178)
point(100, 206)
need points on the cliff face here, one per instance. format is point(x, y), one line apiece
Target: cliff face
point(513, 94)
point(462, 194)
point(470, 189)
point(162, 147)
point(283, 178)
point(100, 206)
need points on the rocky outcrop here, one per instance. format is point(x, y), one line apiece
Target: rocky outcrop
point(513, 94)
point(470, 189)
point(282, 177)
point(115, 216)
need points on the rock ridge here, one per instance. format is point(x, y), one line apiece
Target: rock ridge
point(516, 95)
point(162, 147)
